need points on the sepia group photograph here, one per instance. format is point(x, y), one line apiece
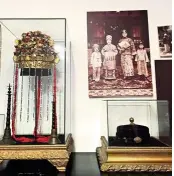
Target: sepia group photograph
point(119, 62)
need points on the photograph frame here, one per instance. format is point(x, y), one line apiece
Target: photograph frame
point(107, 25)
point(165, 41)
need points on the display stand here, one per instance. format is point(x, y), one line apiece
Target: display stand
point(36, 55)
point(134, 159)
point(138, 137)
point(57, 155)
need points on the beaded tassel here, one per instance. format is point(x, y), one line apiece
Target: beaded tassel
point(21, 96)
point(41, 101)
point(28, 108)
point(38, 138)
point(21, 139)
point(34, 88)
point(55, 93)
point(48, 96)
point(14, 70)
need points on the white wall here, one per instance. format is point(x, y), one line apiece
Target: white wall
point(87, 116)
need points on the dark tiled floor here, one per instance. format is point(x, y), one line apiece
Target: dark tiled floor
point(81, 164)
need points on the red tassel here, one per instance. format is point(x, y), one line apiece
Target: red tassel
point(43, 139)
point(20, 139)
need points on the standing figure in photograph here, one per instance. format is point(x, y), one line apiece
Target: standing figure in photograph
point(166, 42)
point(96, 62)
point(127, 50)
point(142, 60)
point(109, 51)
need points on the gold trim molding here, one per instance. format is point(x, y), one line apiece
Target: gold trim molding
point(58, 155)
point(134, 159)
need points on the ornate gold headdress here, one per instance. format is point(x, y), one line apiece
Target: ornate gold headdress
point(35, 50)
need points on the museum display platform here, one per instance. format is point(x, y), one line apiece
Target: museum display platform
point(58, 155)
point(80, 164)
point(38, 92)
point(138, 137)
point(134, 159)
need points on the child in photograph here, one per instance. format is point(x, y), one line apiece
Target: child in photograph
point(96, 62)
point(142, 60)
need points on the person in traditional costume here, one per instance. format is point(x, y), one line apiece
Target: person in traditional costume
point(142, 60)
point(166, 42)
point(127, 50)
point(109, 51)
point(96, 62)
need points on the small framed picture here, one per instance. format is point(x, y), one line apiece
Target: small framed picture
point(165, 41)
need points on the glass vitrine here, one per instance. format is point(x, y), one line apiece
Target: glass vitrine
point(138, 137)
point(31, 40)
point(36, 62)
point(147, 121)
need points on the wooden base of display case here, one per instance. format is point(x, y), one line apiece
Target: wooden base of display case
point(134, 159)
point(58, 155)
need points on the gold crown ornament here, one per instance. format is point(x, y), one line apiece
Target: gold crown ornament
point(35, 50)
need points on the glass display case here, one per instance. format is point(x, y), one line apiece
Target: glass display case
point(37, 56)
point(129, 119)
point(139, 136)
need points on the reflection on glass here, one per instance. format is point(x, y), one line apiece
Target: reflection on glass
point(2, 125)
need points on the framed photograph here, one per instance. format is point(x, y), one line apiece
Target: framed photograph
point(119, 62)
point(165, 41)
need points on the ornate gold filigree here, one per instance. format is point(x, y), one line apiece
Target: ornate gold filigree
point(60, 164)
point(36, 62)
point(58, 155)
point(112, 167)
point(101, 154)
point(33, 154)
point(104, 142)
